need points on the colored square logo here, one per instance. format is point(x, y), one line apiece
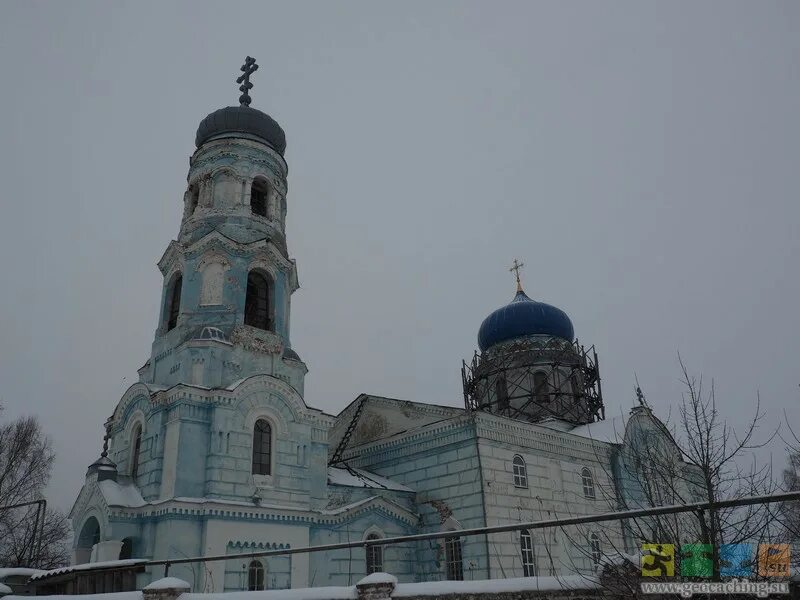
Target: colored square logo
point(736, 560)
point(773, 560)
point(697, 560)
point(658, 560)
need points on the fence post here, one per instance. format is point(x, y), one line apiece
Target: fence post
point(168, 588)
point(378, 586)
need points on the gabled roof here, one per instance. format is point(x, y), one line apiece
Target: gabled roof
point(610, 430)
point(351, 477)
point(381, 417)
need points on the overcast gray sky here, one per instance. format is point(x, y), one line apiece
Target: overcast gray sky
point(640, 157)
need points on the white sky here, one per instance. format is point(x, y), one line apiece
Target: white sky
point(640, 157)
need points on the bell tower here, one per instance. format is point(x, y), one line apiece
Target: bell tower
point(228, 278)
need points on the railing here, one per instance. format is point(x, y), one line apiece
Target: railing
point(697, 507)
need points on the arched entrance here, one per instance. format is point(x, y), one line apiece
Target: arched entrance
point(88, 537)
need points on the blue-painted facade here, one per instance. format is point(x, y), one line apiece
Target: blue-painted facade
point(182, 437)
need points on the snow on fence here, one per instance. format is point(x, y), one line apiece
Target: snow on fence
point(378, 586)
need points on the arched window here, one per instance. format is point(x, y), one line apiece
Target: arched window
point(136, 447)
point(520, 472)
point(576, 388)
point(453, 562)
point(540, 390)
point(193, 199)
point(374, 555)
point(126, 551)
point(501, 391)
point(257, 307)
point(255, 576)
point(595, 550)
point(262, 448)
point(528, 555)
point(588, 483)
point(258, 197)
point(174, 301)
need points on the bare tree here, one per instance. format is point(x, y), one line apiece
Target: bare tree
point(699, 458)
point(26, 459)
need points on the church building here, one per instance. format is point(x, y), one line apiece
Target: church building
point(217, 451)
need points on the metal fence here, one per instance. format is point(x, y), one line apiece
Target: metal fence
point(698, 507)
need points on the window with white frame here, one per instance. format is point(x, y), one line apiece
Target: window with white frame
point(520, 472)
point(595, 550)
point(374, 555)
point(588, 483)
point(453, 560)
point(528, 555)
point(262, 448)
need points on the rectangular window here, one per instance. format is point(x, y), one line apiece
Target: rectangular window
point(528, 557)
point(455, 568)
point(374, 559)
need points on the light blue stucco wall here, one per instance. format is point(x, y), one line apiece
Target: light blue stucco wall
point(443, 468)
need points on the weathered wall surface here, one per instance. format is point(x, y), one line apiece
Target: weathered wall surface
point(554, 488)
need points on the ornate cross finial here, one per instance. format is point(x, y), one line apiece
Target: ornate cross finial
point(640, 394)
point(248, 68)
point(517, 266)
point(106, 437)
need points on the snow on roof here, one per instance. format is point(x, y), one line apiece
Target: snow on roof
point(485, 586)
point(620, 558)
point(553, 423)
point(168, 583)
point(18, 572)
point(346, 507)
point(121, 494)
point(87, 566)
point(316, 593)
point(359, 478)
point(608, 430)
point(109, 596)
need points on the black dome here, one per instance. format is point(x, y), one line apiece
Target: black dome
point(242, 119)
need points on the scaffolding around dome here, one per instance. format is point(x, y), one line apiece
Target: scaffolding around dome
point(535, 378)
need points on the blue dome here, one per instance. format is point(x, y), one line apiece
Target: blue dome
point(523, 316)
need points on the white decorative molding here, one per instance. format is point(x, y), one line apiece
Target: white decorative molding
point(172, 255)
point(132, 394)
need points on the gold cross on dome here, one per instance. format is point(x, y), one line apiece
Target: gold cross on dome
point(517, 266)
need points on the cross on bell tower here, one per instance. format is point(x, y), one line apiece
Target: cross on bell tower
point(248, 68)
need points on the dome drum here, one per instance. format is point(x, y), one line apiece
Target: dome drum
point(530, 368)
point(533, 380)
